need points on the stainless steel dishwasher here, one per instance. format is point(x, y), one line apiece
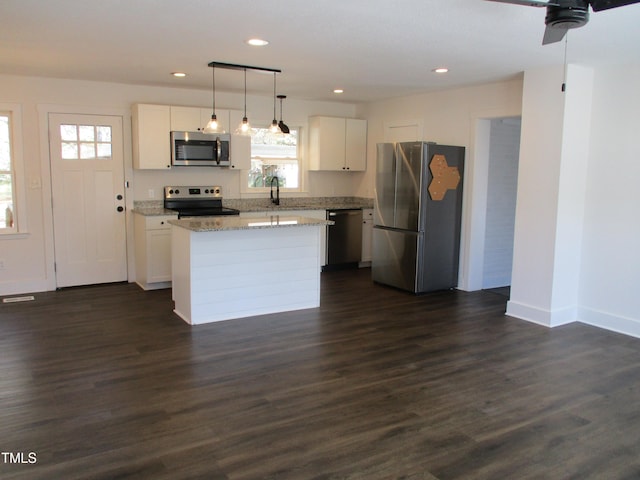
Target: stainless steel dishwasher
point(344, 238)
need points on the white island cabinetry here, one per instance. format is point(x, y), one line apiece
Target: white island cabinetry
point(319, 214)
point(234, 267)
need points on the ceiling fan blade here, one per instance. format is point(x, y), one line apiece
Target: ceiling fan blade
point(553, 35)
point(528, 3)
point(598, 5)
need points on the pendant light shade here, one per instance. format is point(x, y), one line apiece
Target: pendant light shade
point(274, 128)
point(244, 128)
point(213, 126)
point(283, 126)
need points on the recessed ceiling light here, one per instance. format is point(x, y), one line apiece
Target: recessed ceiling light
point(338, 90)
point(178, 74)
point(257, 42)
point(440, 70)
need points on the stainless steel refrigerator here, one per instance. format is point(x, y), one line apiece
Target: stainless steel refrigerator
point(417, 215)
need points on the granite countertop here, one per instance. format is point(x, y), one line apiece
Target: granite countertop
point(152, 210)
point(155, 207)
point(215, 224)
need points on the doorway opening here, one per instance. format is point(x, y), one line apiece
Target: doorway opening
point(502, 185)
point(491, 216)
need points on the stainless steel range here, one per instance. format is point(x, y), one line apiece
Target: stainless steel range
point(196, 201)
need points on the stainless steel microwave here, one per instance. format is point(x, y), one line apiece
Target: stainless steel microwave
point(197, 149)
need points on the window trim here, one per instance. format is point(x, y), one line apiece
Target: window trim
point(14, 110)
point(246, 190)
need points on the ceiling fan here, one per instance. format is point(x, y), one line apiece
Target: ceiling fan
point(565, 14)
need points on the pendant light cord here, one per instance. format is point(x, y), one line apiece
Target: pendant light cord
point(274, 95)
point(564, 73)
point(213, 90)
point(245, 93)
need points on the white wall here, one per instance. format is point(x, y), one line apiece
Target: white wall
point(28, 258)
point(551, 189)
point(538, 172)
point(610, 261)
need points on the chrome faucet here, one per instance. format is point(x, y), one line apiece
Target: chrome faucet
point(275, 200)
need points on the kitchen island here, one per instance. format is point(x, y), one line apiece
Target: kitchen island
point(234, 267)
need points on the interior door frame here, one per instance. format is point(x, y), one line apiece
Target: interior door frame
point(474, 213)
point(44, 183)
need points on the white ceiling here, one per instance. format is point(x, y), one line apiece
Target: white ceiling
point(373, 49)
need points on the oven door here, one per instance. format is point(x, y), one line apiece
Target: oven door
point(198, 149)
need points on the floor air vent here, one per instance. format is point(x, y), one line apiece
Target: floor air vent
point(27, 298)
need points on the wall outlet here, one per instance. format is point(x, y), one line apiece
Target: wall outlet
point(151, 193)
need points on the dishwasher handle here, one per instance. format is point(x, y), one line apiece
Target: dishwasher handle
point(334, 213)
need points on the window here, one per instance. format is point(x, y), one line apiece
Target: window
point(8, 221)
point(85, 142)
point(274, 155)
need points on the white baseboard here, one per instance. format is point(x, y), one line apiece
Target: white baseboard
point(608, 321)
point(540, 316)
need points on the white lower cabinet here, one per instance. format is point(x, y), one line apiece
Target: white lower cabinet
point(367, 236)
point(153, 251)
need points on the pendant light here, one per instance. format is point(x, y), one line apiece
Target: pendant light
point(283, 126)
point(244, 128)
point(213, 126)
point(274, 128)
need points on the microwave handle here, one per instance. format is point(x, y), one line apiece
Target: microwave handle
point(218, 150)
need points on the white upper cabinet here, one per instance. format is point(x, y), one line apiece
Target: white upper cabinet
point(356, 145)
point(240, 144)
point(194, 119)
point(337, 144)
point(151, 125)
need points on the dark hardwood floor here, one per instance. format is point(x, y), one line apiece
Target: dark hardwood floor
point(105, 382)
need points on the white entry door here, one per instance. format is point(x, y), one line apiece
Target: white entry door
point(87, 184)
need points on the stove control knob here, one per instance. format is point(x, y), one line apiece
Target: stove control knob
point(177, 191)
point(171, 191)
point(206, 191)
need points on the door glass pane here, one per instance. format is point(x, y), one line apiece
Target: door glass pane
point(103, 134)
point(69, 151)
point(68, 132)
point(104, 150)
point(87, 150)
point(87, 133)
